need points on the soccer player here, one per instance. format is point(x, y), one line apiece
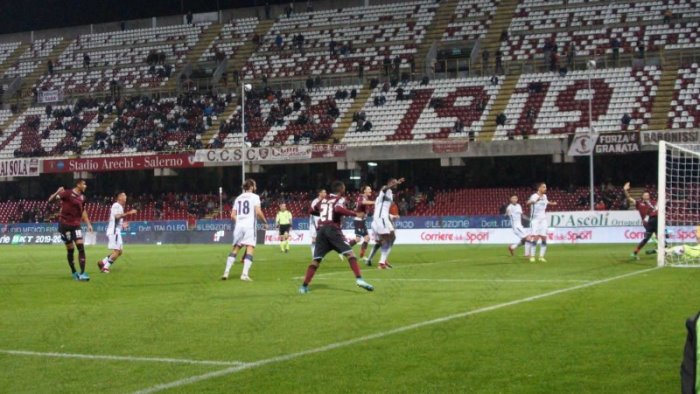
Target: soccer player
point(313, 218)
point(515, 212)
point(72, 213)
point(647, 210)
point(284, 221)
point(246, 208)
point(330, 236)
point(114, 232)
point(685, 252)
point(538, 223)
point(363, 205)
point(382, 226)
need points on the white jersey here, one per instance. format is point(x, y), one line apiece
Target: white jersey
point(313, 220)
point(115, 224)
point(245, 210)
point(539, 207)
point(515, 213)
point(382, 205)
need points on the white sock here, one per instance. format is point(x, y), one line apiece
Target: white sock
point(514, 246)
point(528, 246)
point(385, 255)
point(229, 263)
point(313, 245)
point(247, 263)
point(543, 249)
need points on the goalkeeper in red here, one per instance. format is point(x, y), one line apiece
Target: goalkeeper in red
point(329, 236)
point(648, 211)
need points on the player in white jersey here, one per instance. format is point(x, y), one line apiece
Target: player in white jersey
point(515, 212)
point(382, 225)
point(538, 222)
point(314, 218)
point(246, 209)
point(114, 233)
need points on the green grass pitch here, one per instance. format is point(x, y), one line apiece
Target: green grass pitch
point(428, 327)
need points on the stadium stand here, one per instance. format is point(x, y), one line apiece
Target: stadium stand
point(287, 116)
point(548, 104)
point(337, 41)
point(30, 59)
point(233, 35)
point(540, 27)
point(685, 108)
point(470, 20)
point(136, 59)
point(414, 112)
point(49, 131)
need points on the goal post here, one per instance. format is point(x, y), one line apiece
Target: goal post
point(678, 205)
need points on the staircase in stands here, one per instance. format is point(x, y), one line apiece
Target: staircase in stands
point(103, 127)
point(221, 118)
point(499, 105)
point(435, 30)
point(14, 57)
point(193, 55)
point(33, 78)
point(240, 58)
point(346, 119)
point(501, 20)
point(664, 95)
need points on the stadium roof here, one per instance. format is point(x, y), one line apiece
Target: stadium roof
point(20, 16)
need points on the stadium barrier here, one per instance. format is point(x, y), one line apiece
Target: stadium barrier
point(565, 227)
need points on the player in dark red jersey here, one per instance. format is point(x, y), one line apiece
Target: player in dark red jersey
point(363, 207)
point(72, 213)
point(329, 236)
point(648, 211)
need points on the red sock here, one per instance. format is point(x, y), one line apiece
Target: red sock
point(363, 249)
point(355, 268)
point(310, 272)
point(352, 242)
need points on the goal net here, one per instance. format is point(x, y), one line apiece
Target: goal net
point(678, 205)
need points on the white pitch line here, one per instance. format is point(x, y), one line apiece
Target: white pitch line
point(324, 274)
point(120, 358)
point(333, 346)
point(470, 280)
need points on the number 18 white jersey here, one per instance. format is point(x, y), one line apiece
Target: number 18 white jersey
point(245, 210)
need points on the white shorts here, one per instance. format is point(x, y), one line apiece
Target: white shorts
point(312, 228)
point(245, 237)
point(115, 241)
point(520, 232)
point(382, 226)
point(539, 227)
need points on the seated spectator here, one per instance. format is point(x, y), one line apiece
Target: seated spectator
point(458, 127)
point(367, 126)
point(399, 94)
point(425, 81)
point(494, 80)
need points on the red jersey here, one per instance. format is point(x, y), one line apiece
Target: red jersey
point(72, 206)
point(362, 208)
point(646, 209)
point(331, 211)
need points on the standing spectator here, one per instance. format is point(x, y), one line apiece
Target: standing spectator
point(640, 49)
point(309, 6)
point(331, 46)
point(484, 60)
point(626, 119)
point(50, 66)
point(279, 41)
point(288, 10)
point(499, 62)
point(361, 70)
point(615, 44)
point(189, 17)
point(267, 10)
point(86, 60)
point(122, 25)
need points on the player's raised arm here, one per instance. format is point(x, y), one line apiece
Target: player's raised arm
point(56, 195)
point(259, 213)
point(626, 189)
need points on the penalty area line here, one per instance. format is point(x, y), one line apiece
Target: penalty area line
point(341, 344)
point(119, 358)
